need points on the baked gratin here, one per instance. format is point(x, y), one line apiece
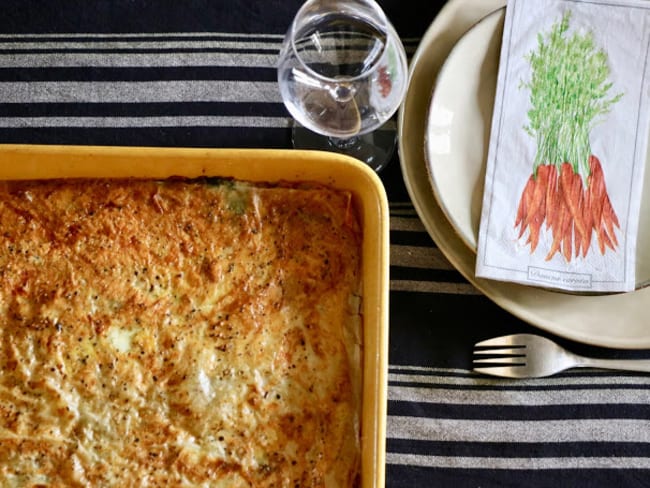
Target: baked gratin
point(179, 333)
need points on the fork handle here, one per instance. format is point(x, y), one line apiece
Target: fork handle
point(641, 365)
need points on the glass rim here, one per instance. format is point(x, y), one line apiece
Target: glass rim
point(384, 24)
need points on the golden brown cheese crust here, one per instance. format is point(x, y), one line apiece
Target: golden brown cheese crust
point(178, 333)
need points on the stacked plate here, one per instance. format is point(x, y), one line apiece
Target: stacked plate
point(444, 129)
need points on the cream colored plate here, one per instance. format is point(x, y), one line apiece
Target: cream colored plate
point(616, 320)
point(458, 131)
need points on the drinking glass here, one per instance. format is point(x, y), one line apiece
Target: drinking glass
point(342, 74)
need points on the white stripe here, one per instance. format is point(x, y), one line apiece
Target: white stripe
point(418, 257)
point(121, 122)
point(438, 377)
point(145, 91)
point(400, 222)
point(161, 35)
point(168, 121)
point(410, 43)
point(402, 212)
point(590, 430)
point(434, 287)
point(508, 397)
point(139, 60)
point(403, 204)
point(428, 369)
point(164, 121)
point(518, 463)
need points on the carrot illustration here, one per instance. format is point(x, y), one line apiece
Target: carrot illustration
point(588, 220)
point(524, 204)
point(557, 230)
point(566, 189)
point(552, 205)
point(539, 193)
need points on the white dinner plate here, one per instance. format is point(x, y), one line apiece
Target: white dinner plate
point(615, 320)
point(458, 131)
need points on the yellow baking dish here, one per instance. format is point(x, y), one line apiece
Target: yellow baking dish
point(45, 161)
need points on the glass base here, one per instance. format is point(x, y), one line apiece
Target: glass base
point(375, 149)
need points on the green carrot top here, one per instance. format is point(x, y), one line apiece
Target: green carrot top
point(568, 91)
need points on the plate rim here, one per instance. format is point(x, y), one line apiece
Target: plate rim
point(470, 241)
point(548, 310)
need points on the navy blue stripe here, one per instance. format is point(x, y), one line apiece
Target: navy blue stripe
point(149, 50)
point(225, 137)
point(519, 412)
point(399, 476)
point(142, 16)
point(127, 16)
point(518, 449)
point(172, 37)
point(426, 274)
point(411, 238)
point(420, 335)
point(93, 73)
point(253, 109)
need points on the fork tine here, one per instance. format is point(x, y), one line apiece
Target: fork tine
point(517, 350)
point(506, 340)
point(503, 371)
point(510, 360)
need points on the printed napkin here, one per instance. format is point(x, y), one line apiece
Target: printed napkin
point(568, 145)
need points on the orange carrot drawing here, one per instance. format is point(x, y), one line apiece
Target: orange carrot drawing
point(566, 189)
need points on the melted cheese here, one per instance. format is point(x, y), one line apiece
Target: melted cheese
point(178, 333)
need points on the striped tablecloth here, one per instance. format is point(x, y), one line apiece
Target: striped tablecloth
point(202, 74)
